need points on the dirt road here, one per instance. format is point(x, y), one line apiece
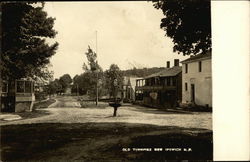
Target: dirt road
point(68, 110)
point(70, 132)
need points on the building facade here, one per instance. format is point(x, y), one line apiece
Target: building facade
point(129, 84)
point(162, 89)
point(197, 80)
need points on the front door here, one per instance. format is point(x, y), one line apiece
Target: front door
point(192, 93)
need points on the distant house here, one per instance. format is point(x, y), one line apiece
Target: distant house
point(197, 80)
point(129, 84)
point(162, 89)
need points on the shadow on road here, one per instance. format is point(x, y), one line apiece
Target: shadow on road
point(156, 111)
point(102, 141)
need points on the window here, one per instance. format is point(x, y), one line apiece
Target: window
point(200, 66)
point(152, 81)
point(186, 86)
point(157, 81)
point(20, 87)
point(168, 81)
point(139, 95)
point(165, 81)
point(23, 86)
point(186, 68)
point(27, 87)
point(174, 81)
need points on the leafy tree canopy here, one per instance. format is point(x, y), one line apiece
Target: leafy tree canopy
point(92, 61)
point(143, 72)
point(188, 23)
point(65, 81)
point(54, 87)
point(114, 78)
point(25, 52)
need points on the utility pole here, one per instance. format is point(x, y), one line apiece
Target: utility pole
point(96, 73)
point(77, 91)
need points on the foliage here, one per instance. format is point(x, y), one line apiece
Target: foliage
point(114, 79)
point(54, 87)
point(25, 52)
point(188, 23)
point(87, 82)
point(65, 81)
point(142, 72)
point(92, 61)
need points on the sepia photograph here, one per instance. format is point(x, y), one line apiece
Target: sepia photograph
point(106, 81)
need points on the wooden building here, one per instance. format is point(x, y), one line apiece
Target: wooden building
point(162, 89)
point(17, 96)
point(197, 80)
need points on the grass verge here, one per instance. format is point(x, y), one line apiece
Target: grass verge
point(92, 104)
point(43, 104)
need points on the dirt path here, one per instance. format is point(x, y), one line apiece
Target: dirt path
point(125, 114)
point(67, 110)
point(65, 102)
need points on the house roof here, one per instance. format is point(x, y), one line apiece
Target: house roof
point(167, 72)
point(197, 57)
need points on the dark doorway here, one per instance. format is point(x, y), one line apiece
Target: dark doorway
point(192, 93)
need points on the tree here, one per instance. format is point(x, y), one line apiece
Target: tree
point(92, 64)
point(54, 87)
point(115, 82)
point(93, 67)
point(65, 81)
point(58, 86)
point(188, 23)
point(25, 52)
point(114, 75)
point(85, 83)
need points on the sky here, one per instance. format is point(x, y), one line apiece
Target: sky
point(126, 33)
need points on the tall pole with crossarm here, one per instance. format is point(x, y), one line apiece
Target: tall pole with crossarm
point(96, 72)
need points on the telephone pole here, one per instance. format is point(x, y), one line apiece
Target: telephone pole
point(96, 72)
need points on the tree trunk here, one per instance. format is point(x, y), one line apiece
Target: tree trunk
point(115, 109)
point(10, 98)
point(1, 57)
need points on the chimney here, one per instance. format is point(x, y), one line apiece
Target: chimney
point(176, 62)
point(168, 64)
